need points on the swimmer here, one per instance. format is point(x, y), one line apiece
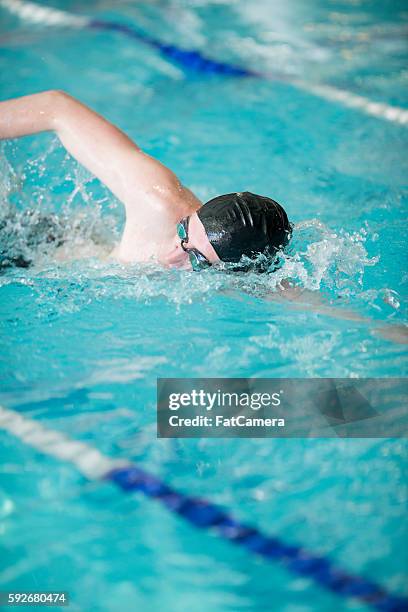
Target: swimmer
point(165, 221)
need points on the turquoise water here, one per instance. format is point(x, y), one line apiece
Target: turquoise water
point(83, 342)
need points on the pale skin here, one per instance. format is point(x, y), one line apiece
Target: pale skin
point(154, 198)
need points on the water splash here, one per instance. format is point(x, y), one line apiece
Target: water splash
point(63, 255)
point(317, 259)
point(322, 258)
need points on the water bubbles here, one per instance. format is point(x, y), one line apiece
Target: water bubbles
point(69, 250)
point(318, 258)
point(391, 298)
point(61, 251)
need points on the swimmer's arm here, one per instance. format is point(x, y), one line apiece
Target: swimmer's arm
point(97, 144)
point(303, 299)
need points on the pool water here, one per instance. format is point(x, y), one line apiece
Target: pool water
point(83, 340)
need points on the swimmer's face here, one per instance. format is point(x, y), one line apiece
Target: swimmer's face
point(197, 239)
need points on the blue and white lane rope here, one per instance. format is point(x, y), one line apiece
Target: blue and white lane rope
point(196, 61)
point(201, 513)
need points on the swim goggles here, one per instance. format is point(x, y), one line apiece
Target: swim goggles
point(197, 259)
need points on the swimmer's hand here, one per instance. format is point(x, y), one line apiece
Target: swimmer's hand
point(303, 299)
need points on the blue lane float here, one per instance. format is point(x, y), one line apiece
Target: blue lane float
point(190, 59)
point(201, 513)
point(194, 61)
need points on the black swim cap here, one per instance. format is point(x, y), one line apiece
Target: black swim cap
point(244, 224)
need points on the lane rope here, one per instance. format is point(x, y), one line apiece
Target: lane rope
point(199, 512)
point(196, 61)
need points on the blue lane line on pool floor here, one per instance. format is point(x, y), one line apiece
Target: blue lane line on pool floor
point(199, 512)
point(205, 515)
